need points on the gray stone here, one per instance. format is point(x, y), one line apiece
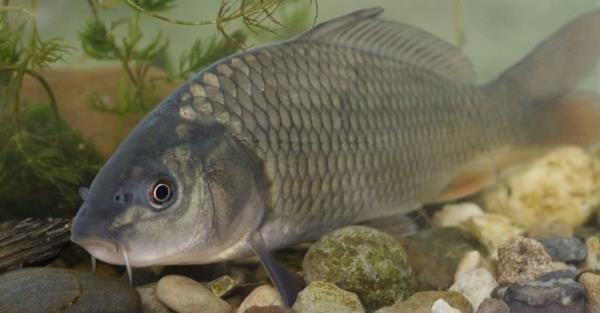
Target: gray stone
point(564, 249)
point(362, 260)
point(185, 295)
point(421, 302)
point(268, 309)
point(493, 306)
point(549, 294)
point(43, 290)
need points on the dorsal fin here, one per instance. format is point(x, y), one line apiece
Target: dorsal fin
point(362, 30)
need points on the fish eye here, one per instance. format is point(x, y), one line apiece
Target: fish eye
point(161, 192)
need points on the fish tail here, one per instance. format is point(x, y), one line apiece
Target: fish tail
point(556, 114)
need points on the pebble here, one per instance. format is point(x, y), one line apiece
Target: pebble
point(435, 254)
point(475, 285)
point(432, 272)
point(264, 295)
point(491, 230)
point(490, 305)
point(441, 306)
point(268, 309)
point(521, 260)
point(563, 185)
point(150, 303)
point(564, 249)
point(591, 284)
point(592, 261)
point(555, 292)
point(222, 285)
point(451, 215)
point(185, 295)
point(43, 290)
point(471, 261)
point(362, 260)
point(553, 228)
point(323, 297)
point(421, 302)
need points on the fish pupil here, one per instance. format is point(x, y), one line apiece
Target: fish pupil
point(162, 192)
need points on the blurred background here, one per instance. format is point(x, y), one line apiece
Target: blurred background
point(76, 76)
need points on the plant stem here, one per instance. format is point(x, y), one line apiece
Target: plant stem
point(42, 82)
point(124, 61)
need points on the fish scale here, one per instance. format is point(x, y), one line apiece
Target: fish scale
point(362, 107)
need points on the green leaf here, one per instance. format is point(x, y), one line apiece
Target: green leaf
point(96, 41)
point(155, 5)
point(202, 55)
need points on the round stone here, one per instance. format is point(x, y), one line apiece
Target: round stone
point(362, 260)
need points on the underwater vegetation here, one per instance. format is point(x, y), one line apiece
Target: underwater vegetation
point(43, 161)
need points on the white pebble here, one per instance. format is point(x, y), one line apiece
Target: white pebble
point(451, 215)
point(261, 296)
point(475, 285)
point(441, 306)
point(470, 261)
point(185, 295)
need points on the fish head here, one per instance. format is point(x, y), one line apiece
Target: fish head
point(174, 192)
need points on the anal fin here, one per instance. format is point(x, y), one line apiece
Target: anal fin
point(571, 119)
point(287, 283)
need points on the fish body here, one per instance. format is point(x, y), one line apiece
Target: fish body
point(357, 119)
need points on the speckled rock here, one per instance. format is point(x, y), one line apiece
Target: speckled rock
point(362, 260)
point(261, 296)
point(563, 186)
point(475, 285)
point(323, 297)
point(591, 284)
point(150, 303)
point(451, 215)
point(521, 260)
point(552, 293)
point(421, 302)
point(491, 230)
point(592, 261)
point(564, 249)
point(490, 305)
point(441, 306)
point(43, 290)
point(435, 253)
point(186, 295)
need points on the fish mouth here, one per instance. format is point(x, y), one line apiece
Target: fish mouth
point(101, 249)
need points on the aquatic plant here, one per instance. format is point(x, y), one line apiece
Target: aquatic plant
point(42, 161)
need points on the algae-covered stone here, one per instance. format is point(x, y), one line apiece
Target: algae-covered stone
point(421, 302)
point(323, 297)
point(363, 260)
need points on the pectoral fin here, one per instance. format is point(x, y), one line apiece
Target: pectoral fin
point(465, 184)
point(287, 283)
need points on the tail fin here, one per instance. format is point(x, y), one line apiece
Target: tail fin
point(560, 61)
point(545, 77)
